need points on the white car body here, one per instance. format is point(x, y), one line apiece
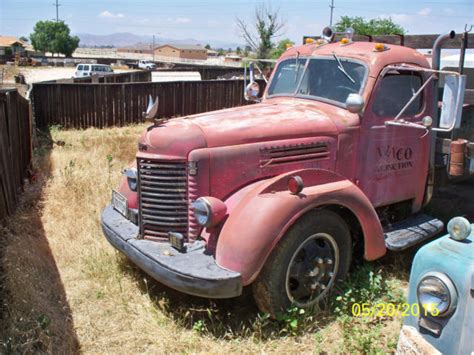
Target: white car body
point(147, 65)
point(83, 70)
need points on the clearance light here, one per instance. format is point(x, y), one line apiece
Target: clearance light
point(309, 40)
point(459, 228)
point(345, 40)
point(380, 47)
point(295, 185)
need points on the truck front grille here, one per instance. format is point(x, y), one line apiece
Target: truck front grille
point(163, 198)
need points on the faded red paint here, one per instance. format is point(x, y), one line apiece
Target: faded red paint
point(348, 152)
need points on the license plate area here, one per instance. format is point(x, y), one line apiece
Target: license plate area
point(120, 203)
point(177, 241)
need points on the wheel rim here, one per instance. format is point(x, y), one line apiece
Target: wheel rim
point(312, 270)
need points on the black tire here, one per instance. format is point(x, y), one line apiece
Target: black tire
point(316, 234)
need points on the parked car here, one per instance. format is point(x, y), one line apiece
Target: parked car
point(83, 70)
point(442, 284)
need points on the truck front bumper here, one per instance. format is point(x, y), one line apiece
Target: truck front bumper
point(412, 342)
point(193, 272)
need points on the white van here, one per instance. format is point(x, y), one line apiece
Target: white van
point(83, 70)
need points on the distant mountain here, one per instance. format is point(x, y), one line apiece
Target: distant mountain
point(126, 39)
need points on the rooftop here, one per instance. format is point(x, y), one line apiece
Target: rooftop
point(184, 46)
point(7, 41)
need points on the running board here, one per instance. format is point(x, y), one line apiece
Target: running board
point(411, 231)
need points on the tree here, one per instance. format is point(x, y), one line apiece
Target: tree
point(208, 46)
point(247, 50)
point(238, 51)
point(281, 47)
point(54, 37)
point(24, 39)
point(267, 26)
point(378, 26)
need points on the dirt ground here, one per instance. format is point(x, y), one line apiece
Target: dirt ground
point(43, 73)
point(66, 290)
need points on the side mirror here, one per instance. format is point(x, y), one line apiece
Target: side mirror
point(354, 103)
point(453, 98)
point(251, 92)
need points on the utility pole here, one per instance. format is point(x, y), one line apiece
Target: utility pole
point(153, 49)
point(57, 10)
point(332, 10)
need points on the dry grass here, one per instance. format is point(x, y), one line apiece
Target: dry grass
point(68, 290)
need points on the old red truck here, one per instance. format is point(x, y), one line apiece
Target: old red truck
point(335, 163)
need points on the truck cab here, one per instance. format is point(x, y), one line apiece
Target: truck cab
point(335, 158)
point(146, 64)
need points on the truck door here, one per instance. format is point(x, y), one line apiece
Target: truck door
point(394, 160)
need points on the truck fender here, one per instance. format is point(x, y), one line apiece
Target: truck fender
point(261, 213)
point(131, 196)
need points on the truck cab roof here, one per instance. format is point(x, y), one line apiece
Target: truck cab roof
point(363, 51)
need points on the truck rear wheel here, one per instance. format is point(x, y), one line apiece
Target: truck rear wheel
point(311, 257)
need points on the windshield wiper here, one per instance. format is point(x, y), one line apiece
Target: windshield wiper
point(341, 68)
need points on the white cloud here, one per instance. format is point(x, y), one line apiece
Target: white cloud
point(397, 18)
point(183, 20)
point(425, 11)
point(449, 11)
point(108, 14)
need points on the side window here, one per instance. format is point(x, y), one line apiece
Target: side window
point(394, 92)
point(79, 67)
point(86, 68)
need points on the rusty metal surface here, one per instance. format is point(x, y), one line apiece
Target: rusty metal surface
point(259, 218)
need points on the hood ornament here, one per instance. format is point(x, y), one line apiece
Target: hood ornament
point(152, 111)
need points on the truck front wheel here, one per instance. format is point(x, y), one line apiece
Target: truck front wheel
point(311, 257)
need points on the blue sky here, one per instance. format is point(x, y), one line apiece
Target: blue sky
point(212, 19)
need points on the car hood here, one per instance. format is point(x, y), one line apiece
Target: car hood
point(272, 120)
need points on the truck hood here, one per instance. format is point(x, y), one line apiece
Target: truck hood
point(272, 120)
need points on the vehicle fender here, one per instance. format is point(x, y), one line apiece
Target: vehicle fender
point(131, 196)
point(261, 213)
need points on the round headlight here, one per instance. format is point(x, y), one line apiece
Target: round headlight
point(459, 228)
point(437, 294)
point(132, 175)
point(202, 211)
point(209, 211)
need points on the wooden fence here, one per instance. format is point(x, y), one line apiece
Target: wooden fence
point(103, 105)
point(129, 77)
point(15, 148)
point(208, 73)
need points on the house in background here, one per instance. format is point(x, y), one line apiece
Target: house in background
point(142, 48)
point(232, 58)
point(9, 47)
point(182, 51)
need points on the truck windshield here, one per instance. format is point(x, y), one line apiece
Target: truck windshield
point(319, 78)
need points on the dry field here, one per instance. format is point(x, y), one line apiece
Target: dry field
point(66, 290)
